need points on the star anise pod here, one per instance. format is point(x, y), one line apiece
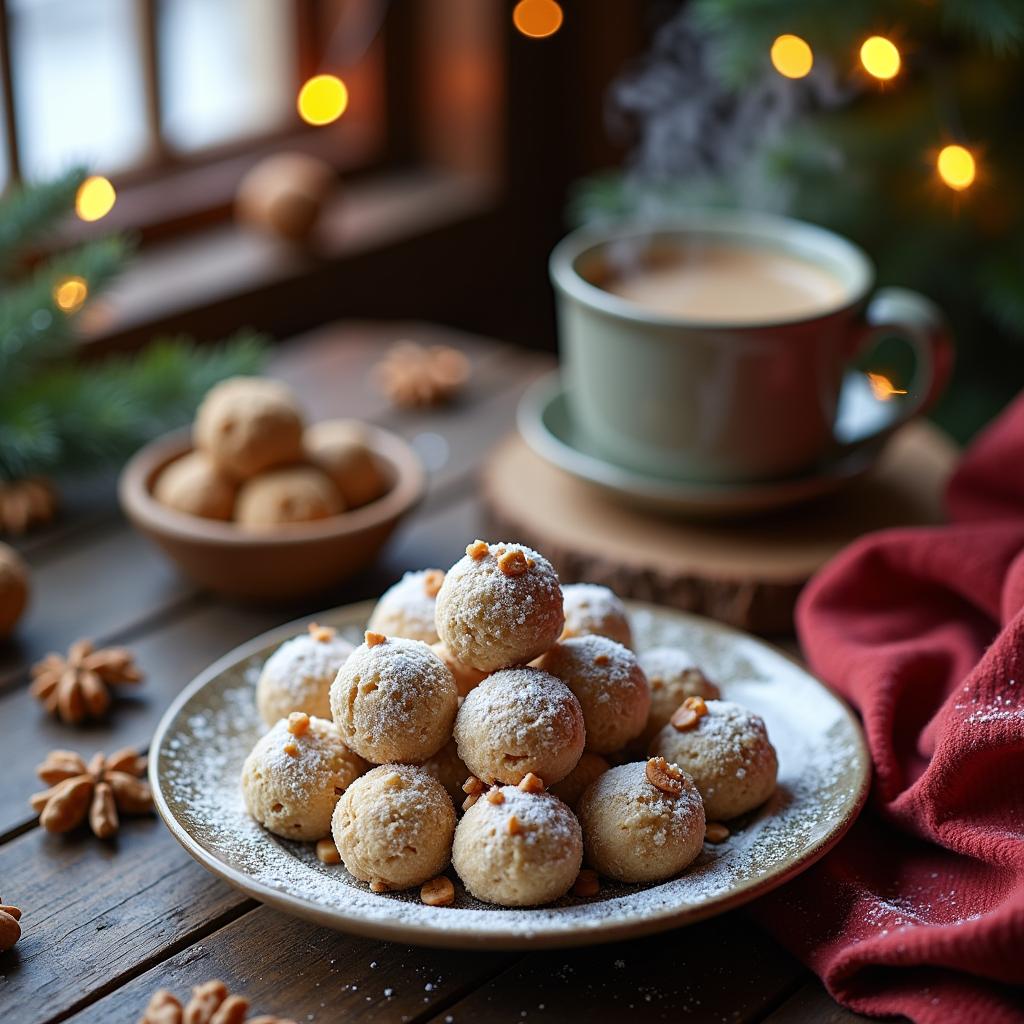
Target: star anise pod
point(99, 789)
point(414, 375)
point(77, 686)
point(10, 929)
point(26, 503)
point(211, 1003)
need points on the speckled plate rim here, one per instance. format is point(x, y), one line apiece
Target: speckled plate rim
point(577, 932)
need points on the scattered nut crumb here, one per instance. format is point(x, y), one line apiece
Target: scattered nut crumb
point(372, 639)
point(664, 776)
point(324, 634)
point(291, 748)
point(495, 796)
point(689, 713)
point(514, 828)
point(470, 800)
point(473, 786)
point(601, 659)
point(477, 550)
point(438, 892)
point(327, 852)
point(432, 580)
point(716, 832)
point(298, 723)
point(532, 783)
point(377, 886)
point(513, 563)
point(393, 781)
point(587, 884)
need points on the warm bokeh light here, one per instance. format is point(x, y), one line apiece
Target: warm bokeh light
point(537, 18)
point(880, 57)
point(322, 99)
point(69, 293)
point(956, 167)
point(882, 388)
point(95, 198)
point(792, 56)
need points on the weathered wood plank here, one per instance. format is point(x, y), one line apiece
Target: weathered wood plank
point(93, 912)
point(723, 969)
point(288, 967)
point(811, 1003)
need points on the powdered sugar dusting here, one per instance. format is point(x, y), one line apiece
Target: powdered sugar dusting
point(205, 737)
point(407, 608)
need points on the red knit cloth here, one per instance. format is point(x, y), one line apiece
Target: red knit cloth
point(919, 911)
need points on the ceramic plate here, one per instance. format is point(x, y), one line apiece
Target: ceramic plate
point(200, 744)
point(547, 427)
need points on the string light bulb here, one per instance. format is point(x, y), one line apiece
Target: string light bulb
point(95, 198)
point(792, 56)
point(956, 167)
point(880, 58)
point(69, 293)
point(537, 19)
point(322, 99)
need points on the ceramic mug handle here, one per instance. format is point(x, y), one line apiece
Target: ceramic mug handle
point(899, 312)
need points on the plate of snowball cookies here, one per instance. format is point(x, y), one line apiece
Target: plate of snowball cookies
point(488, 756)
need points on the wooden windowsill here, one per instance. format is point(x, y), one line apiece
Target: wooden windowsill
point(234, 270)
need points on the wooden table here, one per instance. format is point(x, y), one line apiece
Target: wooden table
point(106, 923)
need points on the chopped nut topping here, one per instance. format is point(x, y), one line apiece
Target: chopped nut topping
point(470, 800)
point(298, 723)
point(372, 639)
point(513, 563)
point(689, 713)
point(495, 796)
point(432, 580)
point(664, 776)
point(601, 659)
point(716, 832)
point(327, 852)
point(377, 886)
point(477, 550)
point(587, 884)
point(532, 783)
point(438, 892)
point(393, 781)
point(514, 828)
point(473, 786)
point(324, 634)
point(291, 748)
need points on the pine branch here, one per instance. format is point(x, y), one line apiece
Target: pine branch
point(29, 212)
point(997, 24)
point(33, 329)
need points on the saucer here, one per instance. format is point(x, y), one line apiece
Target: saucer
point(547, 427)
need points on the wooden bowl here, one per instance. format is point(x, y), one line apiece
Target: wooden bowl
point(288, 561)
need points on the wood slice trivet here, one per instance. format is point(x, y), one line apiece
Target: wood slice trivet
point(745, 572)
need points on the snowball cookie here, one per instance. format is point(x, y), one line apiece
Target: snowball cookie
point(294, 775)
point(517, 721)
point(500, 605)
point(193, 484)
point(609, 684)
point(518, 849)
point(642, 824)
point(298, 494)
point(729, 756)
point(14, 589)
point(393, 827)
point(249, 424)
point(593, 609)
point(572, 787)
point(394, 700)
point(465, 677)
point(407, 607)
point(342, 450)
point(673, 675)
point(298, 675)
point(446, 766)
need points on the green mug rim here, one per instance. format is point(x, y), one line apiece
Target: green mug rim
point(796, 236)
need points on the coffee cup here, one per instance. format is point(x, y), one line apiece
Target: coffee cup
point(717, 347)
